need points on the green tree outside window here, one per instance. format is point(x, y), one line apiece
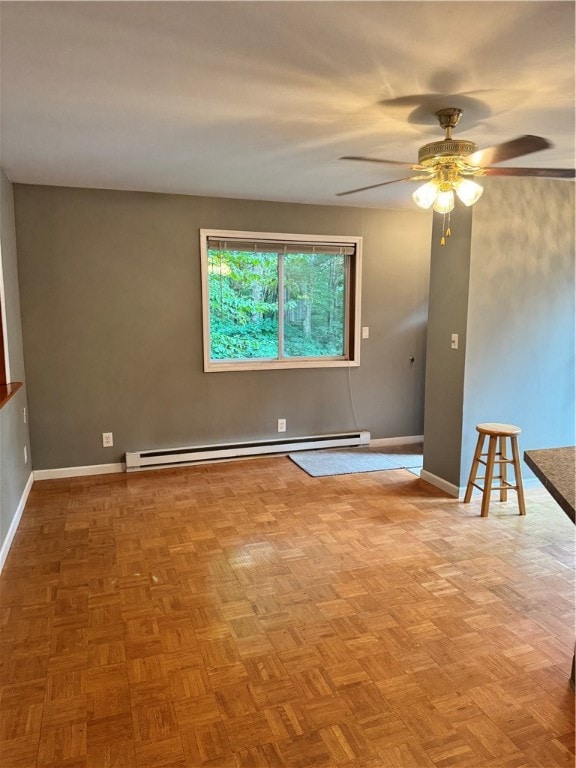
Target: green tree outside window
point(270, 305)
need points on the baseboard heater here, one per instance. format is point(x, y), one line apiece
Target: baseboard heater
point(183, 457)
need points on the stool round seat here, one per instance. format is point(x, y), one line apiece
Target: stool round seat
point(497, 456)
point(493, 428)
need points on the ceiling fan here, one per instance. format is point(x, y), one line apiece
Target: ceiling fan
point(448, 165)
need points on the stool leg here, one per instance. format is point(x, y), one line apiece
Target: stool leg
point(489, 475)
point(518, 475)
point(474, 468)
point(503, 473)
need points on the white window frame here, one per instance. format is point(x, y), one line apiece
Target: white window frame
point(352, 318)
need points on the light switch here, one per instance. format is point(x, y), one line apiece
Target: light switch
point(454, 342)
point(365, 332)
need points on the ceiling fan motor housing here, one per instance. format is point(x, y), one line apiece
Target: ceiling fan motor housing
point(456, 149)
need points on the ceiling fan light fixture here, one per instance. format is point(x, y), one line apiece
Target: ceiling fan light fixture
point(444, 202)
point(447, 163)
point(468, 191)
point(425, 195)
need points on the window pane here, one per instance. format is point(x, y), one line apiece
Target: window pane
point(275, 301)
point(243, 292)
point(314, 305)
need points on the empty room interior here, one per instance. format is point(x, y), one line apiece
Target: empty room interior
point(287, 384)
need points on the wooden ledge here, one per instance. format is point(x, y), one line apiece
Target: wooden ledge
point(7, 391)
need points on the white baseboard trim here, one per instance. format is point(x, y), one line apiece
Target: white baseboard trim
point(93, 469)
point(7, 543)
point(458, 492)
point(108, 469)
point(439, 482)
point(383, 441)
point(528, 483)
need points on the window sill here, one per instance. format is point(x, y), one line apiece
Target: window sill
point(273, 365)
point(7, 391)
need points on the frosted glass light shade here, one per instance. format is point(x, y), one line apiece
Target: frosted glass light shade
point(468, 191)
point(425, 195)
point(444, 202)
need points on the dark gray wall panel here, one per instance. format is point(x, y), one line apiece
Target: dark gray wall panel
point(111, 306)
point(448, 312)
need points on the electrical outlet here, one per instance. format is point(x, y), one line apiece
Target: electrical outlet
point(281, 425)
point(107, 439)
point(25, 455)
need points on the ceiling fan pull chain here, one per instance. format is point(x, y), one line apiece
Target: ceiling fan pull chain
point(447, 231)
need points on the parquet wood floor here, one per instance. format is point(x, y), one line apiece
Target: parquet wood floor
point(247, 615)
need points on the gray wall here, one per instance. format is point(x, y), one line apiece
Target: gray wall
point(509, 291)
point(111, 306)
point(14, 473)
point(447, 314)
point(520, 359)
point(10, 276)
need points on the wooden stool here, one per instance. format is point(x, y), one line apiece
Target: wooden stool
point(497, 433)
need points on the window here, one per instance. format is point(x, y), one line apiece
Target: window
point(279, 301)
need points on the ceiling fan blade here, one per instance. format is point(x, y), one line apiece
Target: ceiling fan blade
point(413, 166)
point(548, 173)
point(382, 184)
point(523, 145)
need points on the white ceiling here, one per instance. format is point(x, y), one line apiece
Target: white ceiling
point(260, 99)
